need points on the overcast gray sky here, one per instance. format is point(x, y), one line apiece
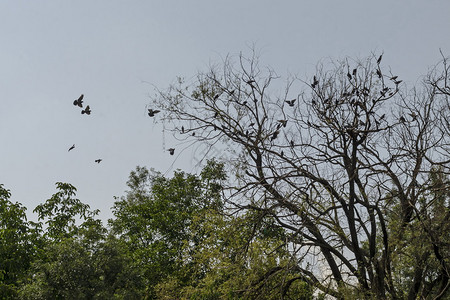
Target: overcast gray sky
point(53, 51)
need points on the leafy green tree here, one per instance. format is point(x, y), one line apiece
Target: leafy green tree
point(78, 260)
point(191, 246)
point(156, 217)
point(18, 239)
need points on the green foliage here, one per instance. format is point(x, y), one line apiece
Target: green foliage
point(180, 234)
point(17, 244)
point(61, 212)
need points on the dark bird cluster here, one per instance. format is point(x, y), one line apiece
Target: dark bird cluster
point(79, 103)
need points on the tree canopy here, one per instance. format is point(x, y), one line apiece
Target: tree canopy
point(353, 167)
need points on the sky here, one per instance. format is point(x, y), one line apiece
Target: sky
point(117, 52)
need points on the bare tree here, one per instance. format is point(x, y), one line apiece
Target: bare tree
point(353, 167)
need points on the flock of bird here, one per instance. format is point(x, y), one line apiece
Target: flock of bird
point(282, 123)
point(87, 111)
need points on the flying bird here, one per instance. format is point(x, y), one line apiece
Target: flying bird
point(87, 110)
point(171, 151)
point(98, 160)
point(71, 148)
point(152, 113)
point(79, 101)
point(290, 102)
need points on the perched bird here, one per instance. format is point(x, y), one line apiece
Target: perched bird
point(379, 73)
point(274, 135)
point(349, 75)
point(413, 116)
point(71, 148)
point(283, 122)
point(87, 110)
point(379, 59)
point(398, 82)
point(382, 117)
point(290, 102)
point(354, 72)
point(152, 113)
point(79, 101)
point(292, 144)
point(182, 129)
point(250, 82)
point(315, 82)
point(216, 97)
point(98, 160)
point(171, 151)
point(402, 119)
point(394, 77)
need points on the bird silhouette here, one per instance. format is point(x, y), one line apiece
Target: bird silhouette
point(290, 102)
point(274, 135)
point(402, 119)
point(182, 129)
point(152, 113)
point(315, 82)
point(283, 122)
point(394, 77)
point(98, 160)
point(349, 75)
point(171, 151)
point(379, 59)
point(354, 72)
point(87, 110)
point(379, 73)
point(79, 101)
point(71, 148)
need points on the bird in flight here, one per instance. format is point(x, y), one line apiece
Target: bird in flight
point(98, 160)
point(290, 102)
point(171, 151)
point(152, 113)
point(71, 148)
point(79, 101)
point(87, 110)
